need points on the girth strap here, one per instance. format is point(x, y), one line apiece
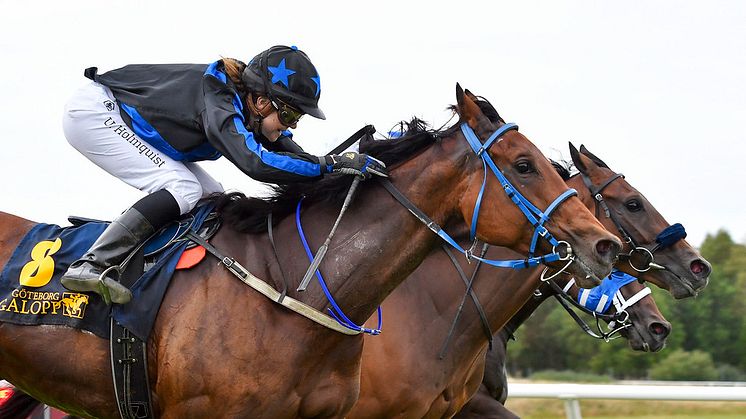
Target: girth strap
point(129, 360)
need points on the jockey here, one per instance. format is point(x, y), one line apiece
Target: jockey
point(148, 125)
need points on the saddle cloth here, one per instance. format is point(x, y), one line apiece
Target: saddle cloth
point(31, 293)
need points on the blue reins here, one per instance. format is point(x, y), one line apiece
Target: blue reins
point(335, 311)
point(534, 215)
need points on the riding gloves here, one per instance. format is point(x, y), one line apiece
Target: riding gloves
point(352, 163)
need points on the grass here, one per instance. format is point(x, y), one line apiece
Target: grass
point(622, 409)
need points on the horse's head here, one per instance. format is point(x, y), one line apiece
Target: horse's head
point(630, 310)
point(532, 176)
point(654, 250)
point(649, 328)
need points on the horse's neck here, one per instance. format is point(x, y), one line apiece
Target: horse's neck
point(501, 292)
point(377, 245)
point(527, 309)
point(545, 291)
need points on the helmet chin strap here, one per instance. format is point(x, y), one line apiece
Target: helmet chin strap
point(256, 116)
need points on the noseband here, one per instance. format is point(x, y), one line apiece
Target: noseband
point(666, 238)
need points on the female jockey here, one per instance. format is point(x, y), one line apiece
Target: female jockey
point(149, 124)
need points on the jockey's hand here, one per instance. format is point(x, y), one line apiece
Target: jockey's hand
point(352, 163)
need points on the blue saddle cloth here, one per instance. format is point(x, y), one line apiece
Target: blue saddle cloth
point(31, 292)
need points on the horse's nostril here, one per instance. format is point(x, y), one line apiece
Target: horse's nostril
point(659, 329)
point(700, 268)
point(607, 248)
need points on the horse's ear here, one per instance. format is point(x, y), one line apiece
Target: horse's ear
point(467, 108)
point(470, 95)
point(593, 157)
point(577, 160)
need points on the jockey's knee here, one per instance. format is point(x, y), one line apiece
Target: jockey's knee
point(187, 194)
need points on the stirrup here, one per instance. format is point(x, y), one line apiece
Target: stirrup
point(103, 289)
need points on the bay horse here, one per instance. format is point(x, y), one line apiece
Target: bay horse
point(403, 375)
point(220, 349)
point(489, 400)
point(647, 331)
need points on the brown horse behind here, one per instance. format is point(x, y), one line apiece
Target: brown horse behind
point(402, 374)
point(647, 332)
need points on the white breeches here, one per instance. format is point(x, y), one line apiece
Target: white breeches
point(93, 125)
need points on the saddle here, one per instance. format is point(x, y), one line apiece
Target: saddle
point(172, 233)
point(127, 351)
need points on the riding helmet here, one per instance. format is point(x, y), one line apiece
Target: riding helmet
point(287, 74)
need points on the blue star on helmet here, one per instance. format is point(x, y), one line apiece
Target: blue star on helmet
point(281, 74)
point(317, 80)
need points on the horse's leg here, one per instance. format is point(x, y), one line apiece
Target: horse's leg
point(483, 405)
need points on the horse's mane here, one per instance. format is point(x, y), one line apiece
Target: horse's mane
point(249, 214)
point(563, 168)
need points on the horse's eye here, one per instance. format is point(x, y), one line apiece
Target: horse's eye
point(633, 205)
point(523, 166)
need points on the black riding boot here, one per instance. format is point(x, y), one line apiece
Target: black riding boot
point(116, 242)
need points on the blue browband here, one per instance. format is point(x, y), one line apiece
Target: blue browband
point(535, 216)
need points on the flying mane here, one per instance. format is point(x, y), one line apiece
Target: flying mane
point(249, 214)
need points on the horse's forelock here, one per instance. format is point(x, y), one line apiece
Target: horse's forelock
point(563, 168)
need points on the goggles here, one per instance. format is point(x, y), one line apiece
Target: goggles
point(287, 115)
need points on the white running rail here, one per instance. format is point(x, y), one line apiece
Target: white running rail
point(571, 393)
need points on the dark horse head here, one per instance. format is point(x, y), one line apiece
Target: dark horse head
point(677, 267)
point(649, 329)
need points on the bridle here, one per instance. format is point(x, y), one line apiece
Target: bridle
point(534, 215)
point(616, 322)
point(619, 320)
point(666, 238)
